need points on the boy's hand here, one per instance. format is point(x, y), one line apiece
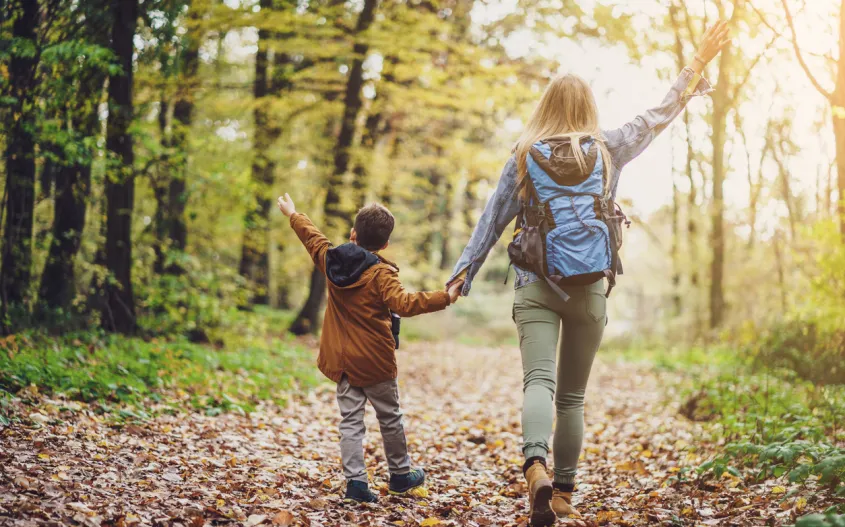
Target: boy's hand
point(454, 290)
point(286, 205)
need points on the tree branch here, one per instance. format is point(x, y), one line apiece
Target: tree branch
point(763, 19)
point(738, 88)
point(828, 95)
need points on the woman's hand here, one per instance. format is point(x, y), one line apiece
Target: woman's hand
point(715, 39)
point(454, 290)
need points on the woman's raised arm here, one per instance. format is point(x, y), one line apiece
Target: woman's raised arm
point(629, 141)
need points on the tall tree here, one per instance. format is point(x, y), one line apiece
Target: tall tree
point(337, 215)
point(835, 98)
point(73, 176)
point(268, 84)
point(175, 198)
point(255, 260)
point(721, 106)
point(118, 310)
point(15, 273)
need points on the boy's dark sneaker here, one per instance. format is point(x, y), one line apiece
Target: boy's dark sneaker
point(360, 492)
point(402, 483)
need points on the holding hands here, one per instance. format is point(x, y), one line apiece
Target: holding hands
point(454, 290)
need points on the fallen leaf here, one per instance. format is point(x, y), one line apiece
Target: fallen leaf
point(284, 518)
point(171, 477)
point(606, 516)
point(256, 519)
point(318, 503)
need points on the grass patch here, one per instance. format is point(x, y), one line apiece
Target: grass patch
point(254, 361)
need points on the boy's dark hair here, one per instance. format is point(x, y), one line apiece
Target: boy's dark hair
point(373, 226)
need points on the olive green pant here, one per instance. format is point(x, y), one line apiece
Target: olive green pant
point(539, 314)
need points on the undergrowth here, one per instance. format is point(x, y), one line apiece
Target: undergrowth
point(768, 423)
point(254, 361)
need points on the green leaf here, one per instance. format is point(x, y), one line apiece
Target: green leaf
point(799, 474)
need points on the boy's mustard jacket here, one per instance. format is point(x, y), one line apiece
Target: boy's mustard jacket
point(363, 289)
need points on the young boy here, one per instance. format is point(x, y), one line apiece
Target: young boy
point(357, 348)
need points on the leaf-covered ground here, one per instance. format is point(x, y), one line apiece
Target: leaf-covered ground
point(64, 464)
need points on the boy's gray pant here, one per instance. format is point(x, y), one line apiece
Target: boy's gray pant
point(385, 400)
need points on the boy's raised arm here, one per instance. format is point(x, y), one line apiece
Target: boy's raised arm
point(407, 304)
point(314, 241)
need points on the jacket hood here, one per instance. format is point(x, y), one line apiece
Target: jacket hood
point(558, 160)
point(346, 263)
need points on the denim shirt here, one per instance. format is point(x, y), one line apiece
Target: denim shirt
point(623, 144)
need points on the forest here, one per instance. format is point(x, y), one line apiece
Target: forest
point(155, 303)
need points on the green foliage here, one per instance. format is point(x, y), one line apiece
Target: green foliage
point(807, 344)
point(95, 367)
point(821, 520)
point(768, 407)
point(795, 461)
point(811, 340)
point(192, 302)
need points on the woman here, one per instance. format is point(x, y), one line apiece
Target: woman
point(566, 108)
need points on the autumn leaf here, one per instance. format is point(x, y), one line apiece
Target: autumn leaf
point(255, 519)
point(283, 518)
point(607, 516)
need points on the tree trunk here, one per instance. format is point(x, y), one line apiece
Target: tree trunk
point(255, 255)
point(839, 135)
point(119, 309)
point(755, 189)
point(183, 118)
point(160, 189)
point(720, 110)
point(838, 101)
point(786, 191)
point(255, 261)
point(337, 217)
point(361, 172)
point(73, 186)
point(15, 273)
point(776, 245)
point(308, 319)
point(446, 227)
point(675, 250)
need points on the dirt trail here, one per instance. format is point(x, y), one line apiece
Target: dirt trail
point(462, 410)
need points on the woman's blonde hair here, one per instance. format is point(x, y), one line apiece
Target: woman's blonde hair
point(567, 108)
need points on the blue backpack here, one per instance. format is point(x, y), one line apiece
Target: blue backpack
point(569, 230)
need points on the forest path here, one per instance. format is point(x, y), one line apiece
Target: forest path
point(281, 466)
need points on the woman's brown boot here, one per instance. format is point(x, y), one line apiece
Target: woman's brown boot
point(562, 504)
point(539, 493)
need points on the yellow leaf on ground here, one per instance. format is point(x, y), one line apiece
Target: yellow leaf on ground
point(418, 492)
point(428, 522)
point(778, 490)
point(606, 516)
